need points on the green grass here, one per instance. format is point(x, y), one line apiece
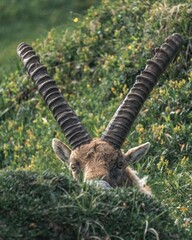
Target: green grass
point(29, 20)
point(49, 206)
point(95, 64)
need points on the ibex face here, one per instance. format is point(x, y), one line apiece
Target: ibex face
point(101, 160)
point(98, 160)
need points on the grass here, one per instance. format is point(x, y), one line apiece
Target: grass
point(49, 206)
point(95, 64)
point(28, 21)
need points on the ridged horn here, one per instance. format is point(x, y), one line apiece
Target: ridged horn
point(70, 124)
point(119, 126)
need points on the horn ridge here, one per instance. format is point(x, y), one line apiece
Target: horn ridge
point(70, 124)
point(120, 124)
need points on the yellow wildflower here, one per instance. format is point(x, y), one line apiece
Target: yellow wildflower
point(181, 83)
point(182, 209)
point(177, 84)
point(27, 143)
point(113, 89)
point(184, 160)
point(157, 130)
point(30, 134)
point(19, 129)
point(17, 147)
point(163, 163)
point(177, 129)
point(130, 47)
point(75, 20)
point(44, 120)
point(140, 128)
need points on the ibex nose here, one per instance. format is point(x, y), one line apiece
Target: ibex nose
point(99, 184)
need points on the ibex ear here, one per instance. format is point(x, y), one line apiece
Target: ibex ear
point(136, 153)
point(61, 150)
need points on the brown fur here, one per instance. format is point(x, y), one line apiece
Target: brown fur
point(94, 159)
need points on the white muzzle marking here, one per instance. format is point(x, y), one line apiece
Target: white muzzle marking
point(99, 184)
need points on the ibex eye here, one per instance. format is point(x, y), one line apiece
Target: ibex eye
point(73, 167)
point(120, 164)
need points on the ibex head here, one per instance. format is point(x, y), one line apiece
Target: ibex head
point(101, 160)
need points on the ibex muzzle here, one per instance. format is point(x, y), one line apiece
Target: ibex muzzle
point(101, 160)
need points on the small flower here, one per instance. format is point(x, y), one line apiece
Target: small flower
point(177, 129)
point(163, 92)
point(32, 225)
point(44, 120)
point(182, 209)
point(30, 134)
point(140, 128)
point(75, 20)
point(187, 222)
point(19, 129)
point(163, 163)
point(113, 89)
point(130, 47)
point(184, 160)
point(158, 130)
point(27, 143)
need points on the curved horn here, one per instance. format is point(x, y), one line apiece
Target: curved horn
point(66, 118)
point(123, 119)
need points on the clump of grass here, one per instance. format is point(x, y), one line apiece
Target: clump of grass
point(49, 206)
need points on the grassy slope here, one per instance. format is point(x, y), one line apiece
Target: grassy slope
point(29, 20)
point(101, 59)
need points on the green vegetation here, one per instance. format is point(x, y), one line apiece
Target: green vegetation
point(29, 20)
point(94, 65)
point(50, 206)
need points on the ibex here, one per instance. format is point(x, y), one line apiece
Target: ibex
point(100, 159)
